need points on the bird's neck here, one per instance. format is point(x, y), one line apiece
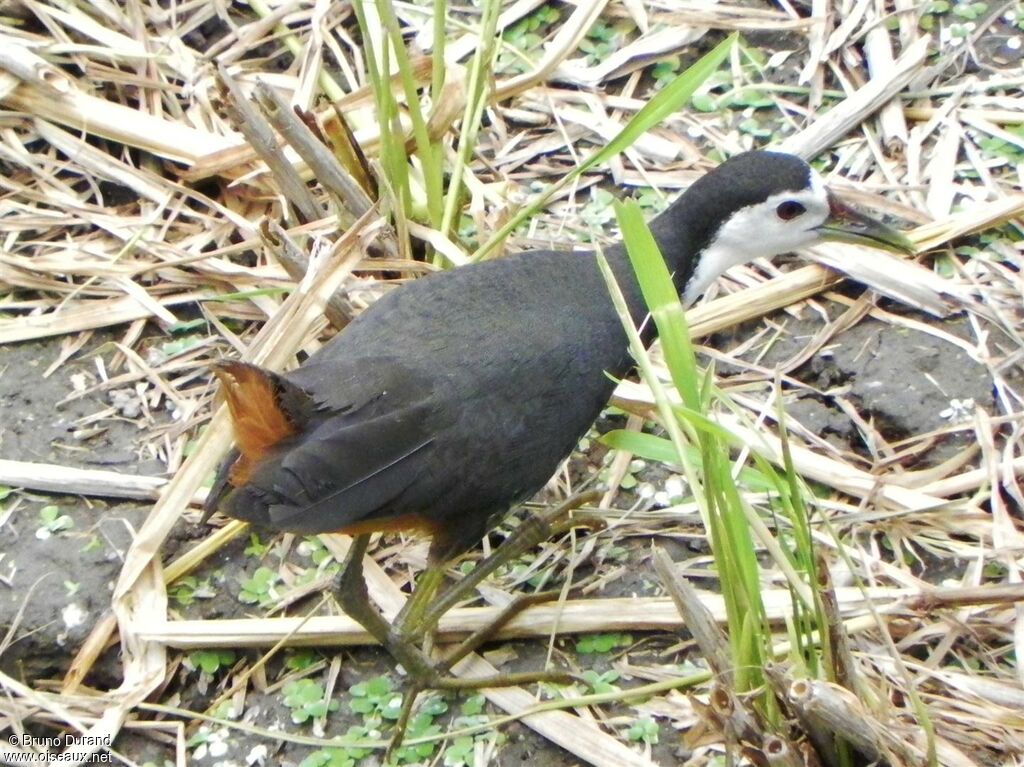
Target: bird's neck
point(681, 246)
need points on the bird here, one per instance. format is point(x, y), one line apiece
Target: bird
point(456, 396)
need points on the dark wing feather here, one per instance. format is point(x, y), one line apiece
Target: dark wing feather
point(370, 441)
point(351, 475)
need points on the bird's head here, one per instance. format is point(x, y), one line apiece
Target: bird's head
point(760, 204)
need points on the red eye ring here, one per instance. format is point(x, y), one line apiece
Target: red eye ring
point(789, 210)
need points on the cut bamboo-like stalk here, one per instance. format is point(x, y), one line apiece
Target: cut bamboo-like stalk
point(976, 219)
point(1008, 116)
point(839, 711)
point(87, 315)
point(257, 131)
point(570, 617)
point(697, 617)
point(81, 112)
point(878, 52)
point(93, 482)
point(25, 65)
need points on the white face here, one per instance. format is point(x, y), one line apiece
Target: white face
point(782, 223)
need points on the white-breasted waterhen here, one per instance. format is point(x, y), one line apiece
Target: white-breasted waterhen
point(457, 395)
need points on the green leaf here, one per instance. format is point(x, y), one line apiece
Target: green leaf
point(969, 11)
point(53, 522)
point(186, 325)
point(602, 643)
point(300, 659)
point(372, 688)
point(704, 102)
point(362, 705)
point(751, 97)
point(460, 752)
point(180, 345)
point(258, 588)
point(601, 683)
point(434, 706)
point(328, 757)
point(211, 661)
point(473, 706)
point(256, 547)
point(662, 450)
point(301, 692)
point(645, 730)
point(306, 699)
point(666, 68)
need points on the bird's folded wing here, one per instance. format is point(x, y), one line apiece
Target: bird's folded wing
point(349, 471)
point(369, 440)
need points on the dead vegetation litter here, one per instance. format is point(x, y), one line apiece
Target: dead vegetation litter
point(146, 184)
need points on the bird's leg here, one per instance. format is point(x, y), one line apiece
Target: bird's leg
point(533, 531)
point(458, 684)
point(423, 592)
point(403, 719)
point(354, 598)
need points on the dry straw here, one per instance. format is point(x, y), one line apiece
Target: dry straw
point(123, 96)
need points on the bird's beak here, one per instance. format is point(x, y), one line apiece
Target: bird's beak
point(845, 224)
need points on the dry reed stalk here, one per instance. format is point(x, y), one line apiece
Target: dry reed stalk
point(569, 617)
point(839, 711)
point(88, 315)
point(78, 111)
point(68, 480)
point(878, 52)
point(843, 117)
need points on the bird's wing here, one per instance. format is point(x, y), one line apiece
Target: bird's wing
point(350, 471)
point(366, 439)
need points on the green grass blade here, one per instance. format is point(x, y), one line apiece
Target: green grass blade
point(437, 65)
point(477, 96)
point(428, 154)
point(724, 509)
point(653, 448)
point(662, 299)
point(670, 99)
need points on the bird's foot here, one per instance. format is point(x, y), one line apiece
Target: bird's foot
point(484, 633)
point(436, 679)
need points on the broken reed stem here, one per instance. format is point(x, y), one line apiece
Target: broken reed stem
point(326, 169)
point(263, 140)
point(296, 263)
point(53, 478)
point(729, 709)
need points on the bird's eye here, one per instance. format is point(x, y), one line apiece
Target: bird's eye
point(789, 210)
